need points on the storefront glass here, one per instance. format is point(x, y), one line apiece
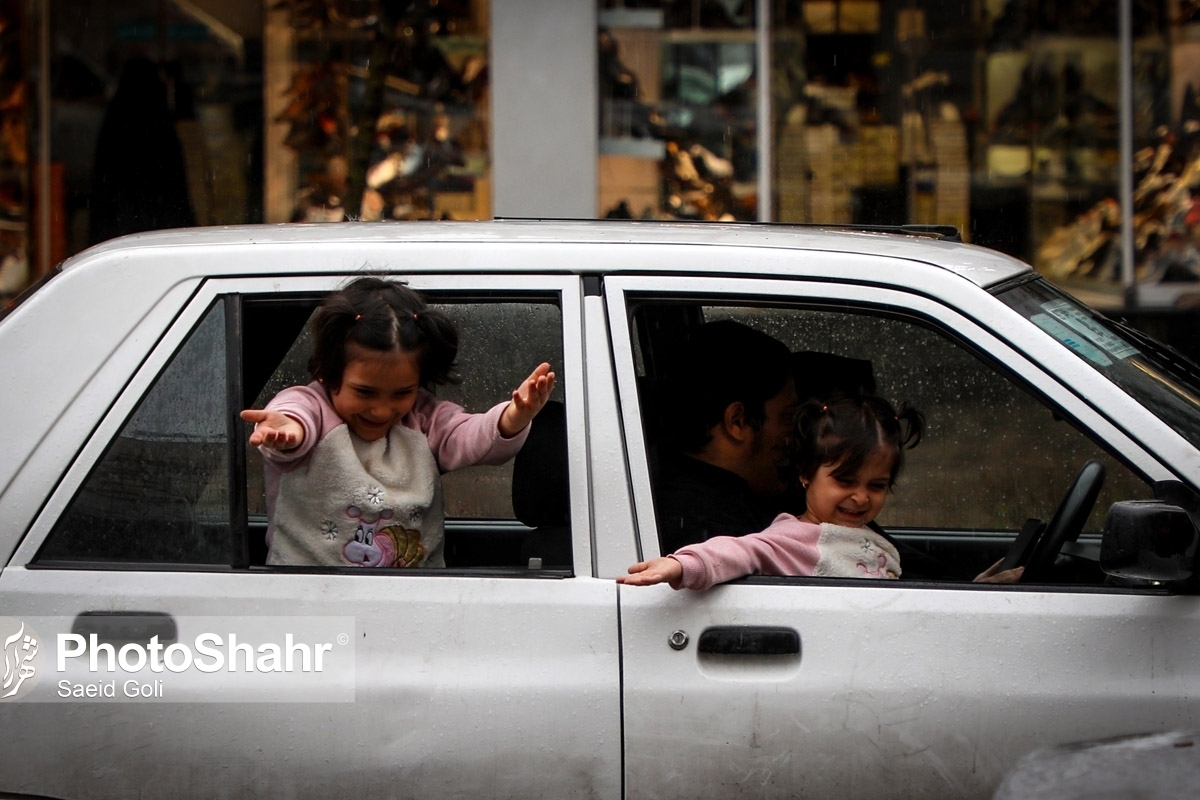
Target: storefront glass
point(173, 113)
point(144, 114)
point(1011, 120)
point(679, 112)
point(377, 111)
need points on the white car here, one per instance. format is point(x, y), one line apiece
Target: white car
point(132, 519)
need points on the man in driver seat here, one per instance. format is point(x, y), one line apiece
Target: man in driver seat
point(729, 408)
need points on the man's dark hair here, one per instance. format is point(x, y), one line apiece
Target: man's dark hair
point(718, 364)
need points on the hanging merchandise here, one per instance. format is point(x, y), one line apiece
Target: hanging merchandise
point(385, 110)
point(1166, 212)
point(14, 159)
point(694, 142)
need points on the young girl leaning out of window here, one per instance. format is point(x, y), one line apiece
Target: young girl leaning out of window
point(849, 452)
point(353, 459)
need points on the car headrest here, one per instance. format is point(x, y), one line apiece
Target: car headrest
point(540, 490)
point(820, 375)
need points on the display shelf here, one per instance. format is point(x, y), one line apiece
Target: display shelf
point(412, 132)
point(709, 36)
point(664, 148)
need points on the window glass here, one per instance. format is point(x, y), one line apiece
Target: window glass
point(161, 491)
point(679, 111)
point(993, 456)
point(508, 516)
point(500, 343)
point(1157, 376)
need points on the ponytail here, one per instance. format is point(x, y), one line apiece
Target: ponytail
point(846, 430)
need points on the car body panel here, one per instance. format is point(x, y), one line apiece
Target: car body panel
point(982, 266)
point(870, 704)
point(558, 682)
point(870, 708)
point(461, 687)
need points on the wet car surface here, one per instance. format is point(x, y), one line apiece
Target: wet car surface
point(131, 507)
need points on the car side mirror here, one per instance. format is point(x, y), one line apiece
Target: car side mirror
point(1156, 540)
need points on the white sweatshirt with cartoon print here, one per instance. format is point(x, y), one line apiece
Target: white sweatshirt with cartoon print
point(338, 500)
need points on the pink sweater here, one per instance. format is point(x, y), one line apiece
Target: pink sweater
point(337, 499)
point(457, 439)
point(790, 546)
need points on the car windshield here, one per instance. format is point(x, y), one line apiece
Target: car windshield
point(1157, 376)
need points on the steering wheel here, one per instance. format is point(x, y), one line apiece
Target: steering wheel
point(1066, 524)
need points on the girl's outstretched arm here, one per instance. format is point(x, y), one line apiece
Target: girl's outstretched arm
point(656, 570)
point(527, 400)
point(273, 429)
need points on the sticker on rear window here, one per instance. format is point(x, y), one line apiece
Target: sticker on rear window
point(1071, 339)
point(1083, 325)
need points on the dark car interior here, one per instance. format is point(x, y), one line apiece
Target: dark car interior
point(1051, 545)
point(143, 481)
point(539, 537)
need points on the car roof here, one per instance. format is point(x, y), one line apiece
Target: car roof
point(979, 265)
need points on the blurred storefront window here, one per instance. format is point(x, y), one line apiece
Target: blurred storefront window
point(1011, 120)
point(377, 110)
point(152, 118)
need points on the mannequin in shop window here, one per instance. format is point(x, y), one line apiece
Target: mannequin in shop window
point(139, 181)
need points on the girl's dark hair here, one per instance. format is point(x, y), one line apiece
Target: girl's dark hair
point(846, 430)
point(378, 314)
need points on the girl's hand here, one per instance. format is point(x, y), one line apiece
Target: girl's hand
point(274, 430)
point(656, 570)
point(527, 401)
point(990, 575)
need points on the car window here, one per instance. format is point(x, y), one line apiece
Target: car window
point(994, 454)
point(499, 345)
point(1160, 378)
point(162, 491)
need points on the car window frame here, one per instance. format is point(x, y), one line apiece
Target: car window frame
point(229, 291)
point(623, 292)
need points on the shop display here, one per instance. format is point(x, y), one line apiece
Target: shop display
point(677, 133)
point(385, 110)
point(999, 117)
point(1166, 209)
point(14, 157)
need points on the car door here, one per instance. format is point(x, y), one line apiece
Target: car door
point(931, 686)
point(495, 676)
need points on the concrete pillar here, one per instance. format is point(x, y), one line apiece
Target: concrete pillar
point(543, 108)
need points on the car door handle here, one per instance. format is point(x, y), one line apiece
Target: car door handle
point(750, 640)
point(123, 627)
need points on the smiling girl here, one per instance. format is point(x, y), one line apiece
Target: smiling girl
point(849, 451)
point(353, 460)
